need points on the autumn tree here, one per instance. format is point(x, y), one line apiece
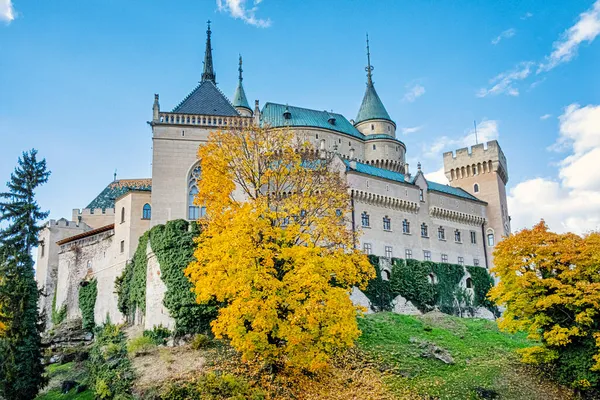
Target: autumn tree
point(275, 248)
point(21, 369)
point(550, 286)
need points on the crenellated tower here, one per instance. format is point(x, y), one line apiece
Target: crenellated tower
point(483, 172)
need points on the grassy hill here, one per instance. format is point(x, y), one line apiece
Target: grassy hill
point(434, 356)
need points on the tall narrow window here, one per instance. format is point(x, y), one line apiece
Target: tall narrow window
point(473, 237)
point(367, 248)
point(469, 283)
point(405, 226)
point(42, 249)
point(387, 223)
point(364, 217)
point(441, 233)
point(122, 246)
point(421, 195)
point(388, 251)
point(146, 211)
point(476, 188)
point(194, 211)
point(424, 230)
point(457, 236)
point(122, 214)
point(490, 238)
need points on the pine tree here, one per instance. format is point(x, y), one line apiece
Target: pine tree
point(21, 369)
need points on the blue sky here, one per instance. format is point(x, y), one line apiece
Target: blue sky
point(77, 80)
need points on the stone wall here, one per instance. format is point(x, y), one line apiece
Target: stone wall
point(156, 313)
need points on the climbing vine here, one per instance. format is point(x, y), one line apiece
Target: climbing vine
point(131, 285)
point(88, 291)
point(59, 315)
point(448, 292)
point(411, 279)
point(482, 283)
point(379, 291)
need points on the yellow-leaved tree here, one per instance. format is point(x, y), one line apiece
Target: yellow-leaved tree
point(550, 286)
point(276, 249)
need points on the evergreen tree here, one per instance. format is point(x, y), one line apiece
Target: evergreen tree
point(21, 370)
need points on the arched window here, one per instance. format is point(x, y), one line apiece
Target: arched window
point(469, 283)
point(146, 211)
point(432, 278)
point(476, 188)
point(386, 275)
point(122, 214)
point(490, 238)
point(194, 211)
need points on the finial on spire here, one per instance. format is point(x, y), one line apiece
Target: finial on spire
point(209, 73)
point(369, 68)
point(419, 165)
point(115, 176)
point(240, 68)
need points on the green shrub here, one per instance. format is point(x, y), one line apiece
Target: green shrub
point(212, 386)
point(111, 373)
point(573, 367)
point(158, 334)
point(59, 315)
point(88, 291)
point(200, 341)
point(378, 291)
point(140, 345)
point(131, 285)
point(410, 279)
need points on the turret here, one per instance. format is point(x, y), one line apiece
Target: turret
point(155, 109)
point(240, 102)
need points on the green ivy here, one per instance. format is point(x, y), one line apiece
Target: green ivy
point(447, 286)
point(173, 244)
point(379, 291)
point(88, 291)
point(410, 279)
point(59, 315)
point(482, 283)
point(131, 285)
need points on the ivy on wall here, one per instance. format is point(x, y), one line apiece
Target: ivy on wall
point(59, 315)
point(173, 246)
point(88, 291)
point(131, 285)
point(428, 284)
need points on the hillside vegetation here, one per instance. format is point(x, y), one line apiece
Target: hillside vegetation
point(397, 357)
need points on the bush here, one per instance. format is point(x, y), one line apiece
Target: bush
point(111, 373)
point(158, 334)
point(140, 345)
point(212, 386)
point(200, 341)
point(88, 291)
point(59, 315)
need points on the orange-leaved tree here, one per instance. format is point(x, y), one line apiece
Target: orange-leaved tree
point(276, 249)
point(550, 286)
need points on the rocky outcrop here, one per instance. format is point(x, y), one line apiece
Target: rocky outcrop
point(67, 342)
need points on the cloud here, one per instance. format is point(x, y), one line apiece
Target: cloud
point(504, 82)
point(586, 29)
point(412, 129)
point(437, 176)
point(486, 130)
point(545, 117)
point(7, 11)
point(238, 10)
point(414, 93)
point(504, 35)
point(570, 202)
point(527, 15)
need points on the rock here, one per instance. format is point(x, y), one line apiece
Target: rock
point(431, 350)
point(170, 342)
point(484, 393)
point(55, 359)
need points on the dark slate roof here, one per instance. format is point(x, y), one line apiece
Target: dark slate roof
point(371, 107)
point(206, 99)
point(398, 177)
point(114, 190)
point(239, 98)
point(272, 114)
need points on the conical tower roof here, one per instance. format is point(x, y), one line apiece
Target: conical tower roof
point(239, 98)
point(371, 107)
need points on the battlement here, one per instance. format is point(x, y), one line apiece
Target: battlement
point(63, 223)
point(475, 160)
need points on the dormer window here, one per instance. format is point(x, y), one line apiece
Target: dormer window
point(476, 188)
point(331, 120)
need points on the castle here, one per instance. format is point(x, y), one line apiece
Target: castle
point(400, 214)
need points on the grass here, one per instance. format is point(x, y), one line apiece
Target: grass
point(57, 373)
point(484, 357)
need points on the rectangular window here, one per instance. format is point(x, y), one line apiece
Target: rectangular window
point(405, 226)
point(490, 239)
point(421, 195)
point(365, 219)
point(441, 233)
point(457, 237)
point(424, 232)
point(122, 246)
point(461, 261)
point(476, 262)
point(473, 237)
point(408, 253)
point(388, 251)
point(43, 249)
point(387, 223)
point(426, 255)
point(444, 258)
point(367, 248)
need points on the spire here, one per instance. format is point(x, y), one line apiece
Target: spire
point(239, 98)
point(371, 107)
point(209, 73)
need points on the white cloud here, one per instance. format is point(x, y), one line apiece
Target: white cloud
point(527, 15)
point(437, 176)
point(412, 129)
point(414, 93)
point(504, 35)
point(486, 130)
point(238, 10)
point(545, 117)
point(571, 202)
point(503, 83)
point(586, 29)
point(7, 11)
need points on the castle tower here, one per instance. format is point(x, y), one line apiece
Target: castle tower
point(382, 148)
point(240, 102)
point(483, 172)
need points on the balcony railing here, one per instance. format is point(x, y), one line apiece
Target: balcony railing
point(203, 120)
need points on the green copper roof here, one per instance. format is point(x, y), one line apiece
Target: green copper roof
point(453, 191)
point(371, 107)
point(272, 115)
point(239, 98)
point(114, 190)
